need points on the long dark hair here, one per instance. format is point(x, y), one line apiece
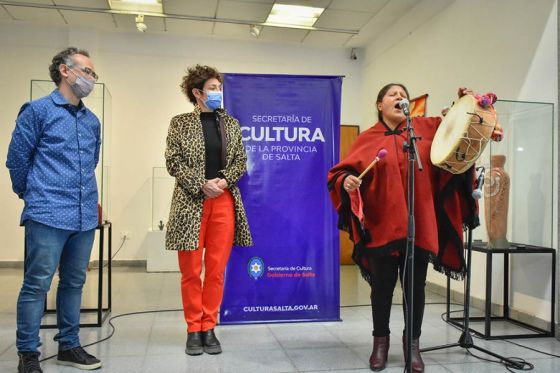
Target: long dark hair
point(382, 94)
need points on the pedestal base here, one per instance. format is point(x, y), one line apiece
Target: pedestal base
point(158, 259)
point(499, 243)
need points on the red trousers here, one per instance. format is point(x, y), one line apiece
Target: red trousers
point(202, 298)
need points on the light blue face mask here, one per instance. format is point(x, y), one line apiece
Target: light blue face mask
point(82, 86)
point(214, 100)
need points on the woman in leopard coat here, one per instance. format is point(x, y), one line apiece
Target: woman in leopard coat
point(206, 156)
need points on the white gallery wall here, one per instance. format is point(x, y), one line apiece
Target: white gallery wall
point(507, 47)
point(142, 73)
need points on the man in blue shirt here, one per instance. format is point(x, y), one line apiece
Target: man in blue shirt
point(52, 158)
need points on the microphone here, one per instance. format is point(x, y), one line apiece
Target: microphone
point(477, 193)
point(404, 106)
point(380, 154)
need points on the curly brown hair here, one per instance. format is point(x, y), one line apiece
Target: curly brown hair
point(196, 77)
point(64, 57)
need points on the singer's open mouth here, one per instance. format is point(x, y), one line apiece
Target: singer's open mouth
point(397, 105)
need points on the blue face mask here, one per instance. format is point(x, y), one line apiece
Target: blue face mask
point(214, 100)
point(82, 86)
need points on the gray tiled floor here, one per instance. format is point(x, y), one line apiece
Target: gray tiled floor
point(154, 342)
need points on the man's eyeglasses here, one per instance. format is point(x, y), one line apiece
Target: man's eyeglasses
point(87, 71)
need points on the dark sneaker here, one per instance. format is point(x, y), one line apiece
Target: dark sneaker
point(194, 344)
point(77, 357)
point(29, 362)
point(211, 344)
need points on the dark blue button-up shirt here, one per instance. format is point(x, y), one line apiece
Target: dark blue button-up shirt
point(52, 159)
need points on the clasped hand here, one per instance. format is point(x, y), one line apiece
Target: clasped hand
point(214, 188)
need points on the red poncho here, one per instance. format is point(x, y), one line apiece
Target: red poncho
point(376, 217)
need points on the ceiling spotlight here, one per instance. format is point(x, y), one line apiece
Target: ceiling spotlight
point(140, 25)
point(254, 30)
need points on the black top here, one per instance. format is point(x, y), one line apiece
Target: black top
point(212, 145)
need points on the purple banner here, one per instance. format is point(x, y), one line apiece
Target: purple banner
point(290, 128)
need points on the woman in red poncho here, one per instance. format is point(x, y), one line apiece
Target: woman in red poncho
point(374, 212)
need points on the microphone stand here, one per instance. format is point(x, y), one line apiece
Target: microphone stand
point(466, 340)
point(411, 149)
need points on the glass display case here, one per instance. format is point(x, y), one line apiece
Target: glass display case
point(100, 103)
point(517, 204)
point(162, 191)
point(158, 259)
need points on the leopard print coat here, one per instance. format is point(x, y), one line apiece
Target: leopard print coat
point(185, 160)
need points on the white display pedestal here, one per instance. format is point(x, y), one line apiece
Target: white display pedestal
point(158, 259)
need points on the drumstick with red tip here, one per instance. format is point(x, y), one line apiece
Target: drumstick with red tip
point(380, 155)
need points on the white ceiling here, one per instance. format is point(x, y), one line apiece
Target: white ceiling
point(369, 17)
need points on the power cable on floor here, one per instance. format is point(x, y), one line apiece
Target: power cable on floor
point(113, 328)
point(518, 363)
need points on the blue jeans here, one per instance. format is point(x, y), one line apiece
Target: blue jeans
point(50, 248)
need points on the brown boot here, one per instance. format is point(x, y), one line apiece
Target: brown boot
point(378, 357)
point(416, 363)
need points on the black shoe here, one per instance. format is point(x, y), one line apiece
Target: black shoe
point(77, 357)
point(29, 362)
point(211, 344)
point(194, 344)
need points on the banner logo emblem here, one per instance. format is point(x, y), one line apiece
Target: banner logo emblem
point(255, 268)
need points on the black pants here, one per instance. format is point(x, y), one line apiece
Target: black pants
point(384, 271)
